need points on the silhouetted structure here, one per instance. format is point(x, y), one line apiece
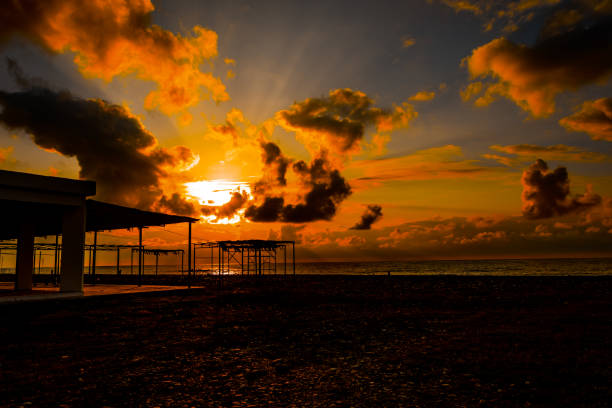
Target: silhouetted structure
point(250, 256)
point(34, 206)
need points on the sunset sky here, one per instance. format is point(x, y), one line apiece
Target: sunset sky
point(363, 130)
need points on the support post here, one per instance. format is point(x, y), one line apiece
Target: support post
point(189, 257)
point(118, 253)
point(156, 262)
point(93, 261)
point(293, 243)
point(194, 260)
point(25, 257)
point(55, 271)
point(285, 253)
point(140, 256)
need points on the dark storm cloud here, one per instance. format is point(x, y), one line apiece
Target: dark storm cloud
point(372, 214)
point(547, 193)
point(322, 189)
point(594, 118)
point(110, 144)
point(275, 164)
point(176, 204)
point(268, 211)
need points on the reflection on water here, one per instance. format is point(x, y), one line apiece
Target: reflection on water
point(537, 267)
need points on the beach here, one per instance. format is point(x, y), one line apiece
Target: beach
point(324, 341)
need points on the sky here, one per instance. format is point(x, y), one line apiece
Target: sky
point(444, 129)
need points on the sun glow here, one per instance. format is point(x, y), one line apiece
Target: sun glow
point(215, 193)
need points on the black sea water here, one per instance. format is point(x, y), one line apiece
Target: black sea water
point(503, 267)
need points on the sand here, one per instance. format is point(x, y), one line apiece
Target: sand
point(318, 341)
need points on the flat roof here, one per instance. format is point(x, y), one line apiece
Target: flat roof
point(42, 200)
point(29, 181)
point(104, 216)
point(100, 216)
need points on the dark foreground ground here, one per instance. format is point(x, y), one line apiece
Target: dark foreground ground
point(318, 341)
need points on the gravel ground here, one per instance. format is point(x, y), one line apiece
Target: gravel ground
point(334, 341)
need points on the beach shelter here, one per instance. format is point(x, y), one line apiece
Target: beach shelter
point(33, 206)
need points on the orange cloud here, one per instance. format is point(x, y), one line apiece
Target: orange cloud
point(5, 152)
point(528, 152)
point(351, 241)
point(115, 37)
point(408, 42)
point(422, 96)
point(533, 76)
point(435, 163)
point(464, 5)
point(509, 13)
point(594, 118)
point(339, 121)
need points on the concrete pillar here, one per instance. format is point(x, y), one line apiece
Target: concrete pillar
point(25, 257)
point(73, 240)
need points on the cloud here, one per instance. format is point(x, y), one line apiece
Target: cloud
point(465, 238)
point(422, 96)
point(547, 193)
point(5, 153)
point(464, 5)
point(228, 210)
point(594, 118)
point(110, 144)
point(321, 189)
point(338, 121)
point(289, 233)
point(176, 204)
point(434, 163)
point(114, 38)
point(268, 211)
point(408, 42)
point(275, 164)
point(352, 241)
point(509, 14)
point(527, 152)
point(533, 76)
point(372, 214)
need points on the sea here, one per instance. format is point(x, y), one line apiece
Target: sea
point(503, 267)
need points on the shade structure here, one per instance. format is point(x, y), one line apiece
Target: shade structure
point(47, 218)
point(33, 206)
point(104, 216)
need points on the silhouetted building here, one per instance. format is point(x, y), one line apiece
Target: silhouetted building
point(33, 206)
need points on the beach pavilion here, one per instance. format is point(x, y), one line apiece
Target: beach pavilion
point(35, 206)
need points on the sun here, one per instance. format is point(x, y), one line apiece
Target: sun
point(216, 193)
